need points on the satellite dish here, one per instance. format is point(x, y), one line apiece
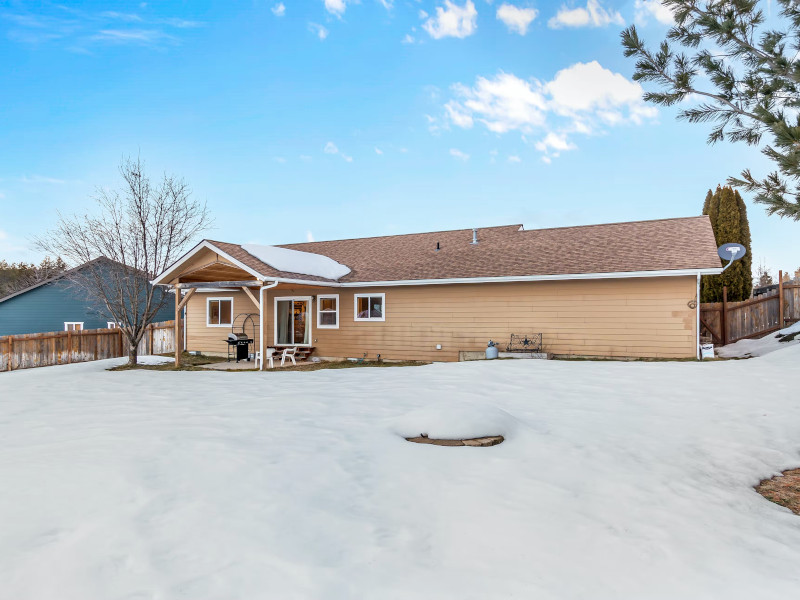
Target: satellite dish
point(731, 252)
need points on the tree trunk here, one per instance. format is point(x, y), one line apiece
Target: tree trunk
point(133, 354)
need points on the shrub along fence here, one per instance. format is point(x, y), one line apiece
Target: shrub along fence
point(726, 322)
point(64, 347)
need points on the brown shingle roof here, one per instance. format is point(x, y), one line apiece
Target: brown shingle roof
point(663, 245)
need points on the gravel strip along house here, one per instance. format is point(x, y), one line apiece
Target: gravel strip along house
point(613, 290)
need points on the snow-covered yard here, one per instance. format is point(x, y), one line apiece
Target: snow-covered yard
point(616, 480)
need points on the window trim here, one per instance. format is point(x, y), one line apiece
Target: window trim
point(112, 325)
point(367, 295)
point(208, 311)
point(320, 311)
point(309, 322)
point(67, 323)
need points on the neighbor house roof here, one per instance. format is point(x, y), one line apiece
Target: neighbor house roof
point(61, 275)
point(661, 246)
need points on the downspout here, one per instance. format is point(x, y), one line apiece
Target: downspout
point(697, 308)
point(261, 321)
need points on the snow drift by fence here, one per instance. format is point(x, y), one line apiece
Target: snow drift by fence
point(727, 322)
point(63, 347)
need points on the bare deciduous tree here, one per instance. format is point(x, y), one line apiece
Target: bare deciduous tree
point(141, 228)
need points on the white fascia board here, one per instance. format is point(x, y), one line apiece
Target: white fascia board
point(306, 282)
point(521, 278)
point(205, 244)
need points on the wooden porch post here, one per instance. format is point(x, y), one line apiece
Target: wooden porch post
point(780, 300)
point(177, 326)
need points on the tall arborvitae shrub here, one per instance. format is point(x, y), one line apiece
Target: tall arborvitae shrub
point(728, 215)
point(747, 261)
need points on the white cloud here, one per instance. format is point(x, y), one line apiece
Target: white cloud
point(387, 4)
point(586, 87)
point(452, 21)
point(502, 104)
point(279, 9)
point(378, 151)
point(408, 39)
point(653, 8)
point(331, 148)
point(458, 115)
point(127, 17)
point(514, 159)
point(456, 153)
point(554, 143)
point(423, 14)
point(580, 100)
point(317, 29)
point(306, 158)
point(336, 7)
point(592, 15)
point(145, 37)
point(516, 19)
point(41, 179)
point(279, 159)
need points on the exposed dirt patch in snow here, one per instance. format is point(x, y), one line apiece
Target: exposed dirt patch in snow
point(783, 489)
point(761, 346)
point(481, 442)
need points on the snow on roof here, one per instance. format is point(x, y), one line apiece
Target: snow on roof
point(297, 261)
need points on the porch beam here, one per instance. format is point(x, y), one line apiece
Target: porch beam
point(247, 291)
point(218, 284)
point(186, 298)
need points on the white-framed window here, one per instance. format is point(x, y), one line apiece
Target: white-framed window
point(369, 307)
point(293, 319)
point(112, 325)
point(219, 312)
point(328, 311)
point(73, 325)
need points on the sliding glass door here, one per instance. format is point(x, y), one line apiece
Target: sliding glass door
point(292, 321)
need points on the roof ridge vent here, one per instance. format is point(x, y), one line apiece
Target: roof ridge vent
point(475, 236)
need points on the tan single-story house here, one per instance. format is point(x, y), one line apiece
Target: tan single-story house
point(613, 290)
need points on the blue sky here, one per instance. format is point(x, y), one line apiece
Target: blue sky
point(328, 119)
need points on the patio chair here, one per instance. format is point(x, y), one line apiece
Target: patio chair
point(289, 353)
point(270, 352)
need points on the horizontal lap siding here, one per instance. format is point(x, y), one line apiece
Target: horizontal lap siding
point(211, 340)
point(622, 317)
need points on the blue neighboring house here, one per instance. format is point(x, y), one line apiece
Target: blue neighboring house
point(54, 305)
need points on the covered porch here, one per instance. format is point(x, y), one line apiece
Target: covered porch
point(222, 308)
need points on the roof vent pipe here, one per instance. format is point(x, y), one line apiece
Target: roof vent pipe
point(475, 236)
point(437, 246)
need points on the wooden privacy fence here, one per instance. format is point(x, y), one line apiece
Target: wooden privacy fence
point(63, 347)
point(726, 322)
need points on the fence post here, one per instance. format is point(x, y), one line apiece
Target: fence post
point(780, 300)
point(69, 346)
point(10, 353)
point(725, 315)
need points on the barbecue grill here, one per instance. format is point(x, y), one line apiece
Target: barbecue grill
point(238, 346)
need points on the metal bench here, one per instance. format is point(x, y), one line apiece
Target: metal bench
point(525, 342)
